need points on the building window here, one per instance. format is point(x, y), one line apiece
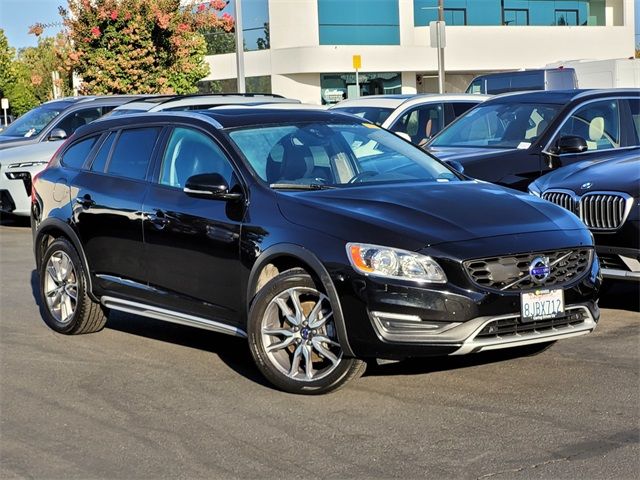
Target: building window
point(515, 16)
point(515, 12)
point(335, 87)
point(455, 16)
point(356, 22)
point(260, 84)
point(567, 17)
point(255, 29)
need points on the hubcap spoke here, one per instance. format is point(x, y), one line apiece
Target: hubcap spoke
point(317, 344)
point(53, 274)
point(280, 345)
point(71, 290)
point(308, 365)
point(295, 361)
point(321, 320)
point(60, 286)
point(287, 313)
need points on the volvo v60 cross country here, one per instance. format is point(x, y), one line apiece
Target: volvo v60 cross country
point(323, 239)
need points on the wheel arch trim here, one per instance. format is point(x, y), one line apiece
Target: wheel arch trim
point(302, 254)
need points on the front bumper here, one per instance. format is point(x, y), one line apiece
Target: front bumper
point(619, 263)
point(395, 320)
point(15, 192)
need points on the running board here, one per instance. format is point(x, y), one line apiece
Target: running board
point(170, 316)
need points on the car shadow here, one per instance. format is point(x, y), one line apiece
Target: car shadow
point(620, 295)
point(8, 220)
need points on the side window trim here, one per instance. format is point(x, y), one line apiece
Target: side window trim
point(553, 137)
point(100, 143)
point(113, 146)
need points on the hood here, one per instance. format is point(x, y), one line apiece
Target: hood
point(12, 142)
point(38, 152)
point(468, 154)
point(621, 174)
point(423, 214)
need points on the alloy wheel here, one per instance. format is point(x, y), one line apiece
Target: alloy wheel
point(61, 287)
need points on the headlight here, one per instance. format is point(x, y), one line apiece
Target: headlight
point(534, 190)
point(388, 262)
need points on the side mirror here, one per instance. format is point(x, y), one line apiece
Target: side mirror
point(209, 185)
point(571, 144)
point(456, 165)
point(57, 134)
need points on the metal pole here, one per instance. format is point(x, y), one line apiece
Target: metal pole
point(440, 50)
point(357, 85)
point(239, 48)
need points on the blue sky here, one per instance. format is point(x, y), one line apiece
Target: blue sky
point(17, 15)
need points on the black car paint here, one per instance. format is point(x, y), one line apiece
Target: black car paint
point(618, 172)
point(212, 243)
point(517, 168)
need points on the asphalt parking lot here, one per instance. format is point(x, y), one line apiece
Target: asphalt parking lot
point(145, 399)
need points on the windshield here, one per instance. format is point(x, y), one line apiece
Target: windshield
point(501, 125)
point(32, 122)
point(376, 115)
point(329, 155)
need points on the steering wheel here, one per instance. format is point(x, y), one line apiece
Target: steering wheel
point(362, 175)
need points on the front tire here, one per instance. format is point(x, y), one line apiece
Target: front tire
point(67, 308)
point(293, 339)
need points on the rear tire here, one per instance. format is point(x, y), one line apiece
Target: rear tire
point(293, 339)
point(67, 308)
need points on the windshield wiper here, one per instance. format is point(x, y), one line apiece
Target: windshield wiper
point(300, 186)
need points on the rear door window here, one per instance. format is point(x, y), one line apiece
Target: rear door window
point(421, 123)
point(79, 118)
point(634, 106)
point(132, 152)
point(76, 154)
point(103, 154)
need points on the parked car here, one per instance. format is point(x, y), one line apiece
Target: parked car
point(58, 119)
point(174, 103)
point(605, 194)
point(4, 124)
point(558, 78)
point(274, 225)
point(513, 139)
point(416, 117)
point(18, 165)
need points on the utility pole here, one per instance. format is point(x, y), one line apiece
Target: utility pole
point(441, 49)
point(239, 48)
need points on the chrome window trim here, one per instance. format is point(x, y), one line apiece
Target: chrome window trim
point(546, 151)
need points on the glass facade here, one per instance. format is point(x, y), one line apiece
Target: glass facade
point(335, 87)
point(358, 22)
point(255, 27)
point(512, 12)
point(260, 84)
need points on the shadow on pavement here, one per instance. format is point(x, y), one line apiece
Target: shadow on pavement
point(8, 220)
point(620, 295)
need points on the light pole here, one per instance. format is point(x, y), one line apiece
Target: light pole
point(441, 49)
point(239, 48)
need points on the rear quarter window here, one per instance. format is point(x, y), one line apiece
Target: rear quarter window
point(76, 154)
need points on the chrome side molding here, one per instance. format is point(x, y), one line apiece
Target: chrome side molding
point(170, 316)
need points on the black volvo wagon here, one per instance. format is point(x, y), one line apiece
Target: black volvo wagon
point(323, 239)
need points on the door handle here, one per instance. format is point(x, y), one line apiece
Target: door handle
point(157, 219)
point(85, 201)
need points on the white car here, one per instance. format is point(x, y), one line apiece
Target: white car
point(418, 117)
point(17, 167)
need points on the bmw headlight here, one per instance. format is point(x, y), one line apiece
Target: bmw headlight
point(534, 190)
point(389, 262)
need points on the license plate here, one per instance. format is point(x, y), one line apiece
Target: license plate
point(541, 305)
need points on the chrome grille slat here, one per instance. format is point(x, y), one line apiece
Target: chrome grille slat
point(598, 210)
point(567, 266)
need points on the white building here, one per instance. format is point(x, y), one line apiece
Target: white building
point(311, 42)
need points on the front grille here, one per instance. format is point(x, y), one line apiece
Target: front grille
point(512, 272)
point(603, 211)
point(612, 261)
point(507, 327)
point(564, 199)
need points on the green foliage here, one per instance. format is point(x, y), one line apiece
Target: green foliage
point(7, 55)
point(140, 46)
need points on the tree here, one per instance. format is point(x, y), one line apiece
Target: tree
point(139, 46)
point(7, 55)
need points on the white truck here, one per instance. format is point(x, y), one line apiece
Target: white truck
point(611, 73)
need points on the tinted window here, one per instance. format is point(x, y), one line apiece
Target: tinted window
point(103, 154)
point(132, 153)
point(76, 155)
point(421, 123)
point(461, 107)
point(188, 153)
point(498, 84)
point(75, 120)
point(598, 123)
point(528, 81)
point(476, 86)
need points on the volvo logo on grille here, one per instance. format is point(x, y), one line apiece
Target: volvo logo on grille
point(586, 186)
point(539, 269)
